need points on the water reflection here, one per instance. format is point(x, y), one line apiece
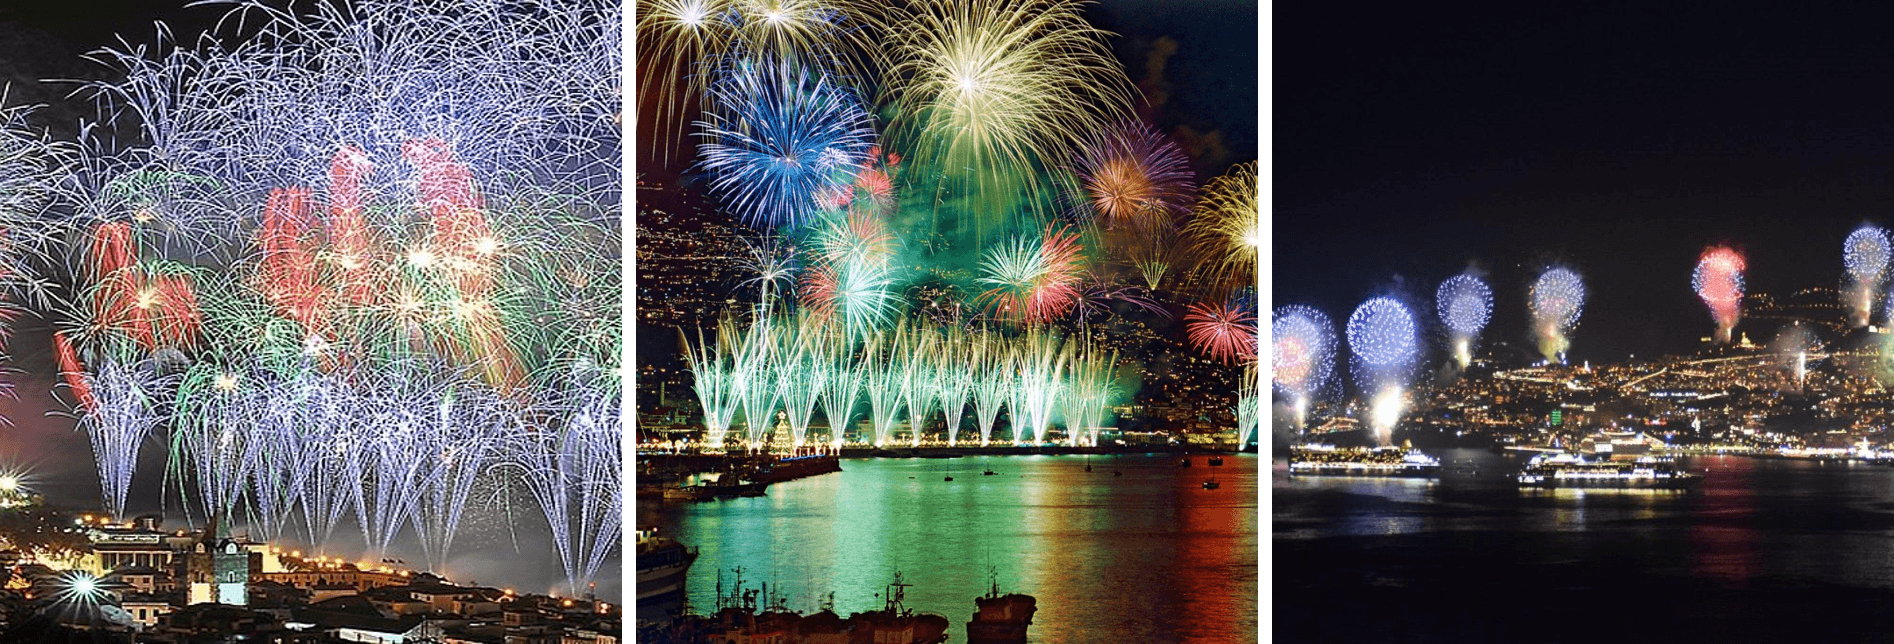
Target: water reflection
point(1146, 556)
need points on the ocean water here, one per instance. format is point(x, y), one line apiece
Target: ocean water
point(1149, 556)
point(1765, 550)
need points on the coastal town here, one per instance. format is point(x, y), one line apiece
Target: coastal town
point(84, 577)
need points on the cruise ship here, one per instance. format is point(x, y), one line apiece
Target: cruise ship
point(1329, 460)
point(662, 565)
point(1568, 470)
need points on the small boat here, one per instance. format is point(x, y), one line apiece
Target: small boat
point(1216, 461)
point(950, 478)
point(1211, 484)
point(1184, 463)
point(989, 472)
point(1117, 473)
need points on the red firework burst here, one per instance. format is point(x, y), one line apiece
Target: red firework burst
point(1224, 331)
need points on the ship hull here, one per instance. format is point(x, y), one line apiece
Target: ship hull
point(1675, 483)
point(661, 582)
point(1408, 473)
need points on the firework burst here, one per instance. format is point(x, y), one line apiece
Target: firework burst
point(1718, 280)
point(1227, 228)
point(779, 135)
point(1130, 176)
point(993, 89)
point(1557, 298)
point(1465, 304)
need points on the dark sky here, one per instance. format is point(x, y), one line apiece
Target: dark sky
point(1412, 140)
point(1205, 96)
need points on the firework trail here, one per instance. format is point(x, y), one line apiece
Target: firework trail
point(1249, 407)
point(992, 362)
point(128, 399)
point(1718, 280)
point(1792, 346)
point(844, 386)
point(801, 375)
point(1227, 229)
point(573, 470)
point(1557, 298)
point(1044, 358)
point(1865, 254)
point(753, 381)
point(777, 136)
point(1465, 304)
point(1089, 393)
point(1383, 338)
point(1225, 330)
point(954, 379)
point(1130, 176)
point(916, 351)
point(988, 92)
point(881, 378)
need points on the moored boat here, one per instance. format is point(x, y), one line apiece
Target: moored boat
point(662, 565)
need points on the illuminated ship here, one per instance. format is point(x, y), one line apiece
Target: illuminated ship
point(1329, 460)
point(662, 564)
point(1576, 471)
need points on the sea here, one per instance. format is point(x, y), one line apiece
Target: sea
point(1146, 556)
point(1765, 550)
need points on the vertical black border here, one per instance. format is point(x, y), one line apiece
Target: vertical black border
point(1264, 188)
point(627, 269)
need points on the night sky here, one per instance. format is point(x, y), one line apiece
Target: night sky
point(1204, 95)
point(1412, 141)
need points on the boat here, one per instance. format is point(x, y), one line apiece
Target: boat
point(1184, 463)
point(1216, 461)
point(988, 472)
point(686, 492)
point(1117, 473)
point(1001, 619)
point(1562, 469)
point(1211, 484)
point(1329, 460)
point(950, 478)
point(662, 565)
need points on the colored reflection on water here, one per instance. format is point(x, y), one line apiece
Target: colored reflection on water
point(1146, 556)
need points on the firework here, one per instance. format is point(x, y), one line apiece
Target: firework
point(1557, 297)
point(1718, 279)
point(1465, 303)
point(777, 136)
point(711, 377)
point(992, 361)
point(1249, 407)
point(881, 381)
point(1303, 354)
point(1227, 228)
point(844, 386)
point(1382, 336)
point(1044, 358)
point(954, 379)
point(1034, 279)
point(801, 376)
point(1865, 254)
point(987, 90)
point(915, 358)
point(1226, 331)
point(1130, 176)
